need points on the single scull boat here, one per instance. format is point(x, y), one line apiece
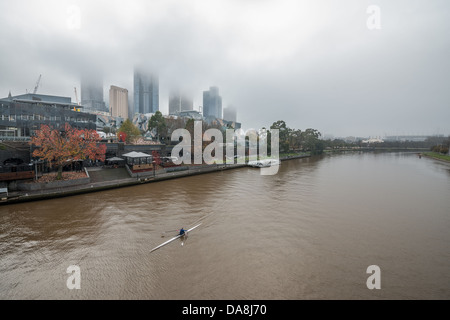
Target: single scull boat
point(174, 238)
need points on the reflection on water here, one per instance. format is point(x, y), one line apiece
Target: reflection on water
point(309, 232)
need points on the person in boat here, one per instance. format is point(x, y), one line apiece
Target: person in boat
point(182, 232)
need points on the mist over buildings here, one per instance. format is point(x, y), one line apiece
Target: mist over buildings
point(310, 63)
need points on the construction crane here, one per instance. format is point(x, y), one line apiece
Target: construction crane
point(76, 95)
point(37, 84)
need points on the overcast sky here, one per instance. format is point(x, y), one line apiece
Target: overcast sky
point(311, 63)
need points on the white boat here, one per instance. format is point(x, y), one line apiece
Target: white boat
point(174, 238)
point(264, 163)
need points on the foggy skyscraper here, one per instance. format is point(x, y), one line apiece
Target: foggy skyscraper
point(146, 92)
point(212, 103)
point(92, 93)
point(229, 113)
point(179, 102)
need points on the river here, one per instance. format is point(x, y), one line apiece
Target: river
point(308, 232)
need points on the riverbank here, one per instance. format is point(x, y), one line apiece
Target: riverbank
point(103, 179)
point(374, 149)
point(437, 156)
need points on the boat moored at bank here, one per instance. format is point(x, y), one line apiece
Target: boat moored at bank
point(264, 163)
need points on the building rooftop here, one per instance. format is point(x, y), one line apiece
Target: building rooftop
point(134, 154)
point(49, 103)
point(40, 97)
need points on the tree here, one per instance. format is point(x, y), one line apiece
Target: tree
point(196, 148)
point(190, 126)
point(61, 148)
point(122, 136)
point(130, 130)
point(311, 141)
point(173, 124)
point(295, 139)
point(283, 134)
point(158, 123)
point(446, 145)
point(156, 159)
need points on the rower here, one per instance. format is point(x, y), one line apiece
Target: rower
point(181, 232)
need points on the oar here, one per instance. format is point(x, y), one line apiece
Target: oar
point(172, 230)
point(162, 236)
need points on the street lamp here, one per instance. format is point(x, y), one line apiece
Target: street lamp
point(154, 169)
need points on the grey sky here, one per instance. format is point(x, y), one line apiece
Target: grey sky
point(310, 63)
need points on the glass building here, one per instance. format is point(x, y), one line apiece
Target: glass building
point(212, 103)
point(92, 94)
point(179, 102)
point(229, 114)
point(146, 92)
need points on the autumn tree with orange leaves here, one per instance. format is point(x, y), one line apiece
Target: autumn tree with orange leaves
point(61, 148)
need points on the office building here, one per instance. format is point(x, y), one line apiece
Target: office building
point(190, 114)
point(118, 102)
point(146, 92)
point(92, 94)
point(21, 116)
point(179, 102)
point(212, 103)
point(229, 113)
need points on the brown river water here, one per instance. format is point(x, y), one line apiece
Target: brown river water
point(308, 232)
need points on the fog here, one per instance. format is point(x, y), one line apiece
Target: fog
point(311, 63)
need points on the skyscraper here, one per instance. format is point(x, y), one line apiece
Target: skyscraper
point(179, 102)
point(146, 92)
point(212, 103)
point(118, 102)
point(229, 113)
point(92, 93)
point(174, 103)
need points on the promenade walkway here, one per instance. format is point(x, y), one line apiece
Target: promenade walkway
point(103, 179)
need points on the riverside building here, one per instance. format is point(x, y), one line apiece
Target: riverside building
point(22, 115)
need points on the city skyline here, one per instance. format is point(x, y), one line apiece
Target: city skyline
point(311, 64)
point(94, 91)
